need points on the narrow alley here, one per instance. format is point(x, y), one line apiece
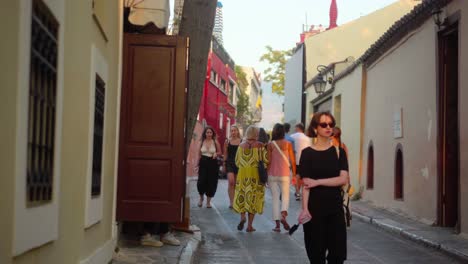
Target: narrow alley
point(222, 243)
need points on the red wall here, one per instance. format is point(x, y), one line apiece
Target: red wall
point(214, 100)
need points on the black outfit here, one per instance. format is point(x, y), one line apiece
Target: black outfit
point(207, 176)
point(327, 229)
point(231, 158)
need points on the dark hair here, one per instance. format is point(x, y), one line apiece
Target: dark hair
point(278, 132)
point(300, 126)
point(315, 122)
point(287, 126)
point(262, 135)
point(204, 133)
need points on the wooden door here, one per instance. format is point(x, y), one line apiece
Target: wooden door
point(151, 180)
point(448, 147)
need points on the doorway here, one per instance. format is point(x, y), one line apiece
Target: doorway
point(448, 129)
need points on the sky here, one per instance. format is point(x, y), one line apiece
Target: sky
point(250, 25)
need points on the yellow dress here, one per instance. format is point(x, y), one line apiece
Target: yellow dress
point(249, 193)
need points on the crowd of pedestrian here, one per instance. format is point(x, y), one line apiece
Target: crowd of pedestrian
point(315, 164)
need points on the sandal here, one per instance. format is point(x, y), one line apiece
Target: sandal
point(250, 229)
point(200, 203)
point(208, 206)
point(240, 226)
point(285, 224)
point(276, 229)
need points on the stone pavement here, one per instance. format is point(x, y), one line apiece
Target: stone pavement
point(443, 239)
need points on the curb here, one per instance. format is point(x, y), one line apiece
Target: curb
point(413, 237)
point(187, 253)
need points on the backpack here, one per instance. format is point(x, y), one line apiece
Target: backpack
point(346, 191)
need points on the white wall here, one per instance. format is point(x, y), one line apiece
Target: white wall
point(404, 77)
point(293, 87)
point(350, 90)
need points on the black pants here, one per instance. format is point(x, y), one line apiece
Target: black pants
point(324, 234)
point(155, 228)
point(207, 176)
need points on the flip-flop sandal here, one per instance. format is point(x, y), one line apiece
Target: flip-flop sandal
point(208, 206)
point(240, 226)
point(200, 204)
point(277, 229)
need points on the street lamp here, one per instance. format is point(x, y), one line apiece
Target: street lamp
point(438, 16)
point(319, 84)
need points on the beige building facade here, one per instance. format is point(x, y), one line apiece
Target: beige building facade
point(254, 91)
point(60, 106)
point(349, 40)
point(347, 111)
point(403, 112)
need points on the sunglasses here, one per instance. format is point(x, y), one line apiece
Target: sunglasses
point(324, 125)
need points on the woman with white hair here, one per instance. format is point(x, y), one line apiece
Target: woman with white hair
point(249, 192)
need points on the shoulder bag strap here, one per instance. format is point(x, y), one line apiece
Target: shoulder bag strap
point(281, 152)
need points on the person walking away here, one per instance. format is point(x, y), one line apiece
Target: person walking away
point(287, 127)
point(280, 152)
point(250, 192)
point(301, 141)
point(208, 166)
point(324, 170)
point(263, 137)
point(336, 139)
point(230, 149)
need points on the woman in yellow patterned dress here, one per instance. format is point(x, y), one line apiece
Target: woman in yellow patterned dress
point(249, 193)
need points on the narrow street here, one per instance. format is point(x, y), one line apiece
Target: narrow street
point(222, 243)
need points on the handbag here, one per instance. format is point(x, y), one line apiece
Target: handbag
point(262, 171)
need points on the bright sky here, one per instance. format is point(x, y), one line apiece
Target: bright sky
point(250, 25)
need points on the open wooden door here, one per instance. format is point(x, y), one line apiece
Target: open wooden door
point(151, 180)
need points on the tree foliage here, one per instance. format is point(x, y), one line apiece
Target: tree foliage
point(275, 73)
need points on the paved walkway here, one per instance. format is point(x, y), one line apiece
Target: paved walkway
point(376, 236)
point(443, 239)
point(222, 243)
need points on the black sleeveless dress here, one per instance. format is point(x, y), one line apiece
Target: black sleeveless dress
point(231, 158)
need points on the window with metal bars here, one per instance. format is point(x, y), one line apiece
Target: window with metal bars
point(42, 103)
point(100, 95)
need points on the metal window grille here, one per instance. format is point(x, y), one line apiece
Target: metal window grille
point(98, 136)
point(42, 103)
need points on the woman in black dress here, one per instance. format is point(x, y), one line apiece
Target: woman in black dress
point(230, 150)
point(324, 169)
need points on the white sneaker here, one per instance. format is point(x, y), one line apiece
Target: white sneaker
point(149, 240)
point(170, 239)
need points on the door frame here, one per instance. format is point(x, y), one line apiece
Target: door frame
point(452, 24)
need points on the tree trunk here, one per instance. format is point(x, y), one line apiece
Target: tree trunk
point(197, 24)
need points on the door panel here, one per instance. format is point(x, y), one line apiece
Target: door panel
point(448, 153)
point(151, 180)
